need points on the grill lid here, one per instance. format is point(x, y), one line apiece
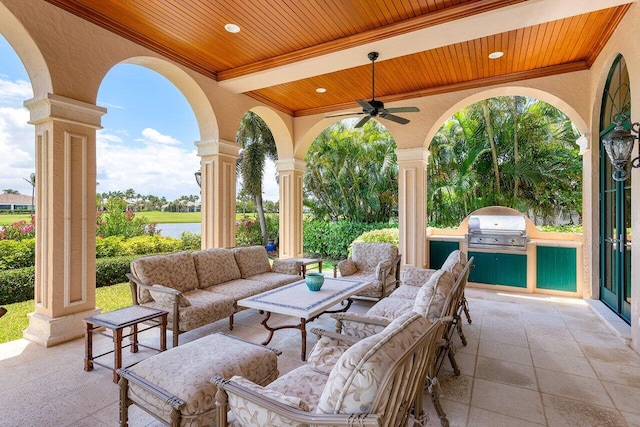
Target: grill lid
point(497, 224)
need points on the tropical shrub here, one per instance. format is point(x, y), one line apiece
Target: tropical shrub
point(332, 239)
point(248, 231)
point(190, 241)
point(17, 285)
point(17, 253)
point(115, 220)
point(110, 271)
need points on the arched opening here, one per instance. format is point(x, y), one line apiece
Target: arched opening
point(615, 198)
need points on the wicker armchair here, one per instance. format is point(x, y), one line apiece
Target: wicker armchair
point(344, 383)
point(378, 263)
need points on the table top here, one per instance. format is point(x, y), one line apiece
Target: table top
point(297, 300)
point(125, 316)
point(307, 261)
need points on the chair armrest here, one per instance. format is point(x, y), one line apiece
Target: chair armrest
point(347, 339)
point(282, 415)
point(359, 325)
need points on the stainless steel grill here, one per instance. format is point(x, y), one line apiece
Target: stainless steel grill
point(497, 232)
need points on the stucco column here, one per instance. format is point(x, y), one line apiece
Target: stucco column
point(218, 189)
point(290, 173)
point(412, 205)
point(65, 280)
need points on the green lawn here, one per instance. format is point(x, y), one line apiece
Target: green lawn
point(8, 219)
point(15, 321)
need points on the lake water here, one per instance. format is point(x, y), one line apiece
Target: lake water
point(175, 230)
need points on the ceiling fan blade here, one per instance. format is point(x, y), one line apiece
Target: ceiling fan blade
point(396, 119)
point(364, 120)
point(344, 114)
point(403, 110)
point(365, 104)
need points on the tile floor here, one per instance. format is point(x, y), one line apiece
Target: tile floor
point(530, 361)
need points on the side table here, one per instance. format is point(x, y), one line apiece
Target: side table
point(305, 262)
point(116, 321)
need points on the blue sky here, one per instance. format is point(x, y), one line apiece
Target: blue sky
point(147, 140)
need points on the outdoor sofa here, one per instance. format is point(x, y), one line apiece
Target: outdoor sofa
point(203, 287)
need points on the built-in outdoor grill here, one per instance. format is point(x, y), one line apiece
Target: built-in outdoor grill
point(497, 232)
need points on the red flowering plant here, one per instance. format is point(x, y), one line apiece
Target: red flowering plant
point(117, 220)
point(19, 230)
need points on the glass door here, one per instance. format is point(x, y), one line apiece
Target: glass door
point(615, 202)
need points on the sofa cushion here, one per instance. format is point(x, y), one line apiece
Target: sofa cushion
point(215, 266)
point(354, 381)
point(240, 288)
point(416, 276)
point(286, 266)
point(326, 353)
point(176, 271)
point(455, 257)
point(433, 294)
point(167, 298)
point(406, 292)
point(252, 260)
point(205, 307)
point(391, 308)
point(303, 382)
point(274, 280)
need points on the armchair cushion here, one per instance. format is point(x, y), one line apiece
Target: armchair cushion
point(167, 297)
point(367, 256)
point(304, 382)
point(294, 402)
point(406, 292)
point(347, 267)
point(384, 265)
point(455, 257)
point(252, 260)
point(215, 266)
point(391, 308)
point(433, 294)
point(176, 271)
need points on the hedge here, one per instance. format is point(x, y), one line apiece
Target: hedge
point(17, 285)
point(333, 239)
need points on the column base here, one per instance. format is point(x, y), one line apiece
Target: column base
point(48, 332)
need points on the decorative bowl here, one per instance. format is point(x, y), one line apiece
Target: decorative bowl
point(314, 281)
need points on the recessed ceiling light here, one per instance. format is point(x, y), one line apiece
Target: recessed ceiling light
point(232, 28)
point(496, 55)
point(321, 90)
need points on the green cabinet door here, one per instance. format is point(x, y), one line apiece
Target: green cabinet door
point(439, 251)
point(499, 269)
point(556, 268)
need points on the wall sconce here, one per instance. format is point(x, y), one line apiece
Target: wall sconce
point(198, 176)
point(619, 145)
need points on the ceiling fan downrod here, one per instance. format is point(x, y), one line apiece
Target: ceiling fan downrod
point(372, 57)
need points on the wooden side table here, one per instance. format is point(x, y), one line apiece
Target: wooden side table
point(116, 321)
point(305, 262)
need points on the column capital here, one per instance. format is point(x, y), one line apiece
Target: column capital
point(291, 164)
point(412, 154)
point(213, 147)
point(61, 108)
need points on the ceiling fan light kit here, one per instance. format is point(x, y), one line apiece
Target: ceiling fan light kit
point(375, 108)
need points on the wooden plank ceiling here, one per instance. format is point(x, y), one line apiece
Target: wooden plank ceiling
point(276, 33)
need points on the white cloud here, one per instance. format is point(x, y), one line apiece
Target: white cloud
point(152, 136)
point(17, 149)
point(158, 168)
point(270, 186)
point(14, 93)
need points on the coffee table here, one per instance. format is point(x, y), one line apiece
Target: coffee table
point(297, 300)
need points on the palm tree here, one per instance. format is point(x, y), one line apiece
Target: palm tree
point(32, 181)
point(258, 144)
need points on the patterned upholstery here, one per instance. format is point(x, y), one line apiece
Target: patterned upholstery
point(304, 382)
point(326, 353)
point(285, 266)
point(416, 276)
point(252, 260)
point(275, 280)
point(294, 402)
point(455, 262)
point(166, 296)
point(203, 306)
point(185, 373)
point(370, 260)
point(405, 292)
point(240, 288)
point(176, 271)
point(391, 308)
point(215, 266)
point(433, 294)
point(354, 381)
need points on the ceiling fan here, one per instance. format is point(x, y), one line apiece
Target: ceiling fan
point(375, 108)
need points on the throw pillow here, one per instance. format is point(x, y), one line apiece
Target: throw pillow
point(167, 298)
point(347, 267)
point(433, 294)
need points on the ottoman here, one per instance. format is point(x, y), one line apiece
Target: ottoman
point(174, 386)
